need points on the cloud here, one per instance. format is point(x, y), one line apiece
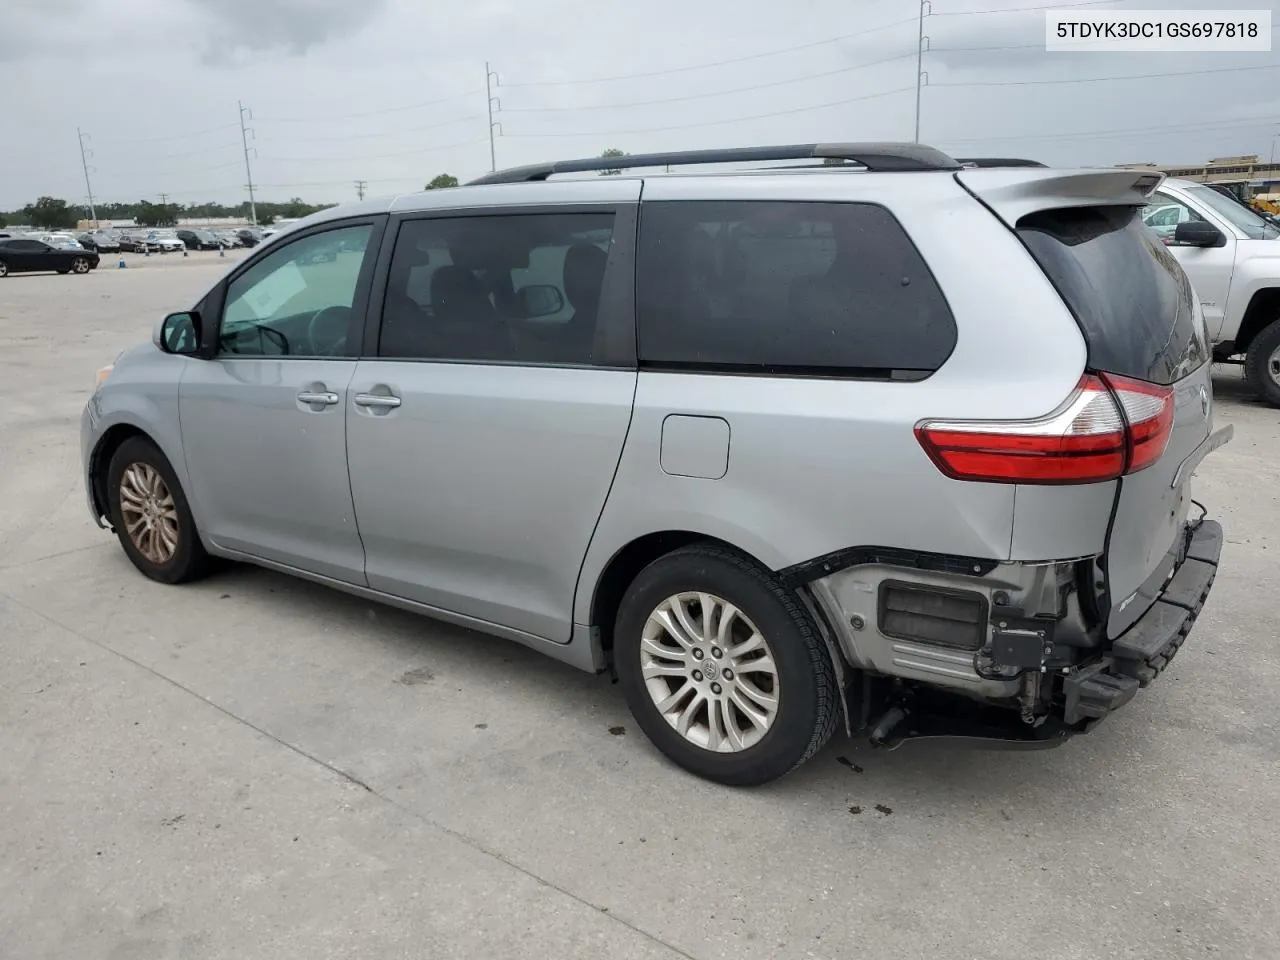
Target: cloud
point(240, 28)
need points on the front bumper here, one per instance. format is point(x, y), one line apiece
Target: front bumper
point(1141, 652)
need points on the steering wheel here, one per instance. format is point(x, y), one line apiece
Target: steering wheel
point(327, 331)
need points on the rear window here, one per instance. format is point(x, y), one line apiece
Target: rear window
point(818, 289)
point(1131, 298)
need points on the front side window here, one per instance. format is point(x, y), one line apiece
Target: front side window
point(802, 289)
point(297, 301)
point(520, 288)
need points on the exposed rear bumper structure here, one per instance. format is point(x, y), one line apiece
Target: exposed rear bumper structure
point(1018, 688)
point(1146, 648)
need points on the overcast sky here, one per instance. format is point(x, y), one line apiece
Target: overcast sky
point(392, 91)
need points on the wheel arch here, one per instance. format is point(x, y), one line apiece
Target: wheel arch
point(1262, 311)
point(110, 441)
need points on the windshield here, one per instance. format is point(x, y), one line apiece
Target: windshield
point(1236, 213)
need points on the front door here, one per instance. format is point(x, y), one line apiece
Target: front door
point(263, 422)
point(1208, 268)
point(485, 428)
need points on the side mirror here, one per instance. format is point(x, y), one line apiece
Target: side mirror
point(1197, 233)
point(179, 333)
point(541, 300)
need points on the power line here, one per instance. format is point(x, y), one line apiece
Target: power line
point(714, 123)
point(1051, 6)
point(1123, 132)
point(715, 93)
point(373, 113)
point(715, 63)
point(175, 136)
point(1135, 76)
point(384, 156)
point(399, 131)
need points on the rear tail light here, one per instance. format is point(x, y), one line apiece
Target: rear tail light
point(1108, 427)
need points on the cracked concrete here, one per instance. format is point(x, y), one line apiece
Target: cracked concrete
point(254, 766)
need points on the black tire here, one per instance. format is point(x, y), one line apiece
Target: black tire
point(4, 269)
point(807, 692)
point(80, 265)
point(189, 560)
point(1257, 364)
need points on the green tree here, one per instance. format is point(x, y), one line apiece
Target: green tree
point(50, 213)
point(157, 214)
point(441, 181)
point(612, 152)
point(4, 220)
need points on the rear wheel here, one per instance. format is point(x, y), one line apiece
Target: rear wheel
point(4, 269)
point(80, 265)
point(151, 515)
point(723, 668)
point(1262, 364)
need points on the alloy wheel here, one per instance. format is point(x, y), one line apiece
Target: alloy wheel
point(1273, 365)
point(710, 672)
point(150, 516)
point(80, 265)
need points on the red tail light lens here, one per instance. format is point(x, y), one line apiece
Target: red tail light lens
point(1086, 440)
point(1148, 407)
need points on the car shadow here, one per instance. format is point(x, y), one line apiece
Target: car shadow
point(929, 771)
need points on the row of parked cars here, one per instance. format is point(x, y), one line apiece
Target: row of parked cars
point(165, 241)
point(64, 252)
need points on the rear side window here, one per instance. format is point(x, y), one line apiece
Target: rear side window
point(818, 289)
point(1132, 299)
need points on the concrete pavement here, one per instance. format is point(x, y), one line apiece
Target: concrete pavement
point(253, 766)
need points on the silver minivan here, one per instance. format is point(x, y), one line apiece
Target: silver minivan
point(878, 439)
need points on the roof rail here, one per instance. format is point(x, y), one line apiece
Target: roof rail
point(998, 162)
point(881, 157)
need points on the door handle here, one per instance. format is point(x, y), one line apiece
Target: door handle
point(318, 397)
point(376, 400)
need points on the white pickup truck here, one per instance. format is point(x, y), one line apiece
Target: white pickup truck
point(1232, 256)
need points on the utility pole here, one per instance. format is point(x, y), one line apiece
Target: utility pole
point(489, 76)
point(360, 185)
point(164, 199)
point(84, 162)
point(248, 172)
point(926, 8)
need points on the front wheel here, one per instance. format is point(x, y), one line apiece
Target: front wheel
point(80, 265)
point(1262, 364)
point(723, 668)
point(151, 515)
point(4, 269)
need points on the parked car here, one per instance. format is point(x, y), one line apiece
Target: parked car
point(62, 241)
point(1232, 256)
point(166, 241)
point(103, 241)
point(133, 242)
point(198, 239)
point(228, 238)
point(774, 448)
point(26, 255)
point(249, 237)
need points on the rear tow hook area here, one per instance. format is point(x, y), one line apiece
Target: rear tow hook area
point(926, 716)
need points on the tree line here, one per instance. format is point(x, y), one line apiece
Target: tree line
point(54, 213)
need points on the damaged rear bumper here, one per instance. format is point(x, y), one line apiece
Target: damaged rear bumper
point(1145, 649)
